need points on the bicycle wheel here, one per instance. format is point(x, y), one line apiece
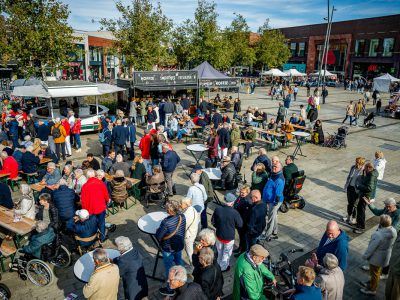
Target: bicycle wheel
point(5, 292)
point(62, 259)
point(39, 273)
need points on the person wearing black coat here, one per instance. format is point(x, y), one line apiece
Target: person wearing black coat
point(228, 176)
point(5, 196)
point(43, 132)
point(262, 158)
point(224, 140)
point(119, 137)
point(131, 270)
point(216, 119)
point(256, 222)
point(30, 127)
point(203, 106)
point(185, 103)
point(48, 211)
point(64, 200)
point(312, 114)
point(243, 206)
point(30, 162)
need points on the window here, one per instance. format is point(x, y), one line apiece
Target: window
point(293, 49)
point(388, 45)
point(359, 48)
point(373, 47)
point(96, 54)
point(301, 50)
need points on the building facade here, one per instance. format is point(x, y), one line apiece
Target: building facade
point(363, 47)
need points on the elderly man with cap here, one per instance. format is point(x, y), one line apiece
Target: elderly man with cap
point(131, 270)
point(59, 134)
point(225, 220)
point(84, 227)
point(103, 283)
point(52, 175)
point(250, 273)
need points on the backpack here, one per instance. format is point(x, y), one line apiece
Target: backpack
point(56, 132)
point(102, 137)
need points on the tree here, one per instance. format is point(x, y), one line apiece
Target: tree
point(238, 36)
point(141, 34)
point(271, 48)
point(182, 44)
point(39, 37)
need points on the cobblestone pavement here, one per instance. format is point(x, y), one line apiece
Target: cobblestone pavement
point(326, 170)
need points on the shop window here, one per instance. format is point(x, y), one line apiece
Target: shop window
point(359, 48)
point(293, 49)
point(388, 45)
point(373, 47)
point(301, 49)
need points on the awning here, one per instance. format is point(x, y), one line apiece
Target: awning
point(148, 88)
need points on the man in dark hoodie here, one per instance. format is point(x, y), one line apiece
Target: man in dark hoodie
point(366, 188)
point(262, 158)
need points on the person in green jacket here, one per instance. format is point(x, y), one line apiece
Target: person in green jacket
point(249, 274)
point(259, 177)
point(390, 209)
point(365, 188)
point(235, 135)
point(289, 169)
point(250, 137)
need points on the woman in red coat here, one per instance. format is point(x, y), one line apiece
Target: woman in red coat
point(10, 165)
point(76, 131)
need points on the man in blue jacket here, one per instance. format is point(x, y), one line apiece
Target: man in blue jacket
point(43, 133)
point(13, 131)
point(132, 139)
point(185, 104)
point(131, 270)
point(84, 227)
point(169, 161)
point(305, 288)
point(333, 241)
point(119, 137)
point(256, 221)
point(216, 119)
point(273, 197)
point(30, 162)
point(64, 200)
point(262, 158)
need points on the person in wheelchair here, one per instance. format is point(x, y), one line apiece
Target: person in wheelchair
point(43, 235)
point(289, 170)
point(84, 228)
point(155, 183)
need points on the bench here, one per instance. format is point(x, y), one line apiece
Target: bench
point(6, 252)
point(15, 182)
point(30, 177)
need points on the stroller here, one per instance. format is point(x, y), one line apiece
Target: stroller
point(291, 193)
point(369, 121)
point(337, 140)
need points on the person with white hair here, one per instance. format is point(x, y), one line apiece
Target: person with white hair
point(330, 278)
point(27, 141)
point(104, 281)
point(177, 277)
point(131, 270)
point(84, 228)
point(80, 180)
point(43, 235)
point(120, 165)
point(10, 165)
point(390, 209)
point(26, 206)
point(59, 134)
point(52, 175)
point(69, 175)
point(192, 225)
point(197, 193)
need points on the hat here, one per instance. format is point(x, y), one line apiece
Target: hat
point(196, 168)
point(226, 159)
point(82, 214)
point(259, 250)
point(229, 198)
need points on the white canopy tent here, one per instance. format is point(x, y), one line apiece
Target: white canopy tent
point(382, 83)
point(294, 73)
point(327, 74)
point(275, 72)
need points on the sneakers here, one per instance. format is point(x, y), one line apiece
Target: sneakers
point(78, 150)
point(365, 267)
point(367, 292)
point(166, 292)
point(346, 219)
point(352, 221)
point(384, 276)
point(358, 230)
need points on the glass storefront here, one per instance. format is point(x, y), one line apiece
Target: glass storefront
point(336, 59)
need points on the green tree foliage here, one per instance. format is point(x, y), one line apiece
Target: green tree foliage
point(38, 36)
point(271, 48)
point(141, 34)
point(238, 36)
point(182, 44)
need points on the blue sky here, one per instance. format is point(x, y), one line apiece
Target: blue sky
point(280, 12)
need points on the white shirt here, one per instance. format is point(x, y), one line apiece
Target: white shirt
point(71, 121)
point(379, 165)
point(192, 218)
point(27, 208)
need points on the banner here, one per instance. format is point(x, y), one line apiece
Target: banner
point(165, 78)
point(223, 82)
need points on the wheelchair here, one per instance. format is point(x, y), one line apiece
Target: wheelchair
point(5, 292)
point(292, 199)
point(160, 197)
point(37, 270)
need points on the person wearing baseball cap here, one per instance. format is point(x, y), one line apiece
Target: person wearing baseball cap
point(84, 228)
point(249, 274)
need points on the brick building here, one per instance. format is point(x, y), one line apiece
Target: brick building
point(365, 47)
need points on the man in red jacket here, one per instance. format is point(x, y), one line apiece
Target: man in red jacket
point(67, 128)
point(10, 165)
point(94, 198)
point(144, 146)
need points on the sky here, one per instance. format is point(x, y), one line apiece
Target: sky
point(281, 13)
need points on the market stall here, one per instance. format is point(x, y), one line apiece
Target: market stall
point(382, 83)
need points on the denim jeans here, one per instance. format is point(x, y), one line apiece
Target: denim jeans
point(77, 137)
point(60, 146)
point(171, 259)
point(101, 224)
point(180, 133)
point(250, 241)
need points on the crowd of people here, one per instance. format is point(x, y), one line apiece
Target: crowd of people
point(75, 197)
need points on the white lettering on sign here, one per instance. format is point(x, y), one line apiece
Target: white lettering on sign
point(147, 78)
point(185, 77)
point(167, 77)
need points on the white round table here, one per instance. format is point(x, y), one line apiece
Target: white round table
point(197, 148)
point(300, 135)
point(149, 224)
point(213, 173)
point(84, 266)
